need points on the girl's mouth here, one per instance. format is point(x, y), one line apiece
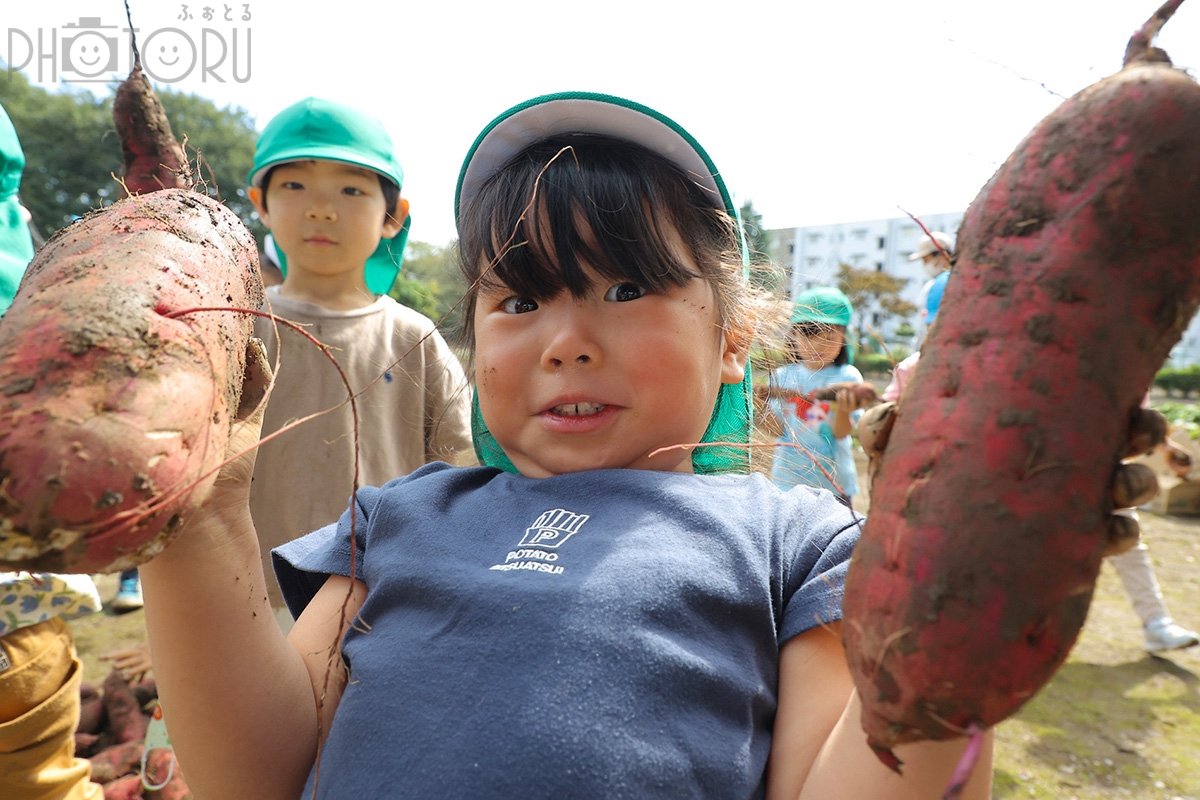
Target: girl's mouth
point(577, 409)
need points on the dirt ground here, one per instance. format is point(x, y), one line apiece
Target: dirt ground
point(1113, 723)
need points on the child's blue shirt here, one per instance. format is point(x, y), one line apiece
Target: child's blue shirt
point(611, 633)
point(808, 454)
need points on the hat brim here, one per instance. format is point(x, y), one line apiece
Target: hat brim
point(342, 155)
point(570, 112)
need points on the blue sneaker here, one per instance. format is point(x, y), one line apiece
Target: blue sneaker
point(129, 593)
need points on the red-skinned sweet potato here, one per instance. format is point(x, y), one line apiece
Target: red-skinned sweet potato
point(126, 719)
point(116, 761)
point(114, 414)
point(1078, 269)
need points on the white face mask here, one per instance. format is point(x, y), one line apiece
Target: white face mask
point(934, 266)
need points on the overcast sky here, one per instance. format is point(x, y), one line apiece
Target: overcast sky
point(816, 112)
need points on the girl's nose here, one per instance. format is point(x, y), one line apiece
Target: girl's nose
point(572, 342)
point(582, 358)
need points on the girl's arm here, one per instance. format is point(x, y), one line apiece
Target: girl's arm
point(820, 751)
point(237, 698)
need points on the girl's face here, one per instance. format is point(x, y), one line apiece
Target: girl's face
point(602, 381)
point(818, 344)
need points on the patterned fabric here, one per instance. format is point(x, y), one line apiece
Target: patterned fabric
point(29, 598)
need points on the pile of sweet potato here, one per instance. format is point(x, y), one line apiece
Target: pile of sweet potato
point(111, 736)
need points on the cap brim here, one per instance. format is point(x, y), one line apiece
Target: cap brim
point(569, 112)
point(344, 155)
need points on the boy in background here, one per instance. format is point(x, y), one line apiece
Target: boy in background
point(326, 182)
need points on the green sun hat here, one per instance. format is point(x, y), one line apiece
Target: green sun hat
point(822, 304)
point(16, 243)
point(320, 129)
point(592, 113)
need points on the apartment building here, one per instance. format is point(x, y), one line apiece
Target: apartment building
point(810, 256)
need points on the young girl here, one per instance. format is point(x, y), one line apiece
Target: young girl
point(814, 443)
point(598, 611)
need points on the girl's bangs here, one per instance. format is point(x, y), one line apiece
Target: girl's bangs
point(567, 213)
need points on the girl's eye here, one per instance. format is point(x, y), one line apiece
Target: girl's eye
point(292, 185)
point(624, 292)
point(353, 191)
point(518, 305)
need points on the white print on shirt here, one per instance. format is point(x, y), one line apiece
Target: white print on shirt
point(549, 530)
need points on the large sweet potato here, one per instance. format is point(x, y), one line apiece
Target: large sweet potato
point(1078, 269)
point(113, 413)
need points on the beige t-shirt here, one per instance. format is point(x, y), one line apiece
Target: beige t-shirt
point(416, 410)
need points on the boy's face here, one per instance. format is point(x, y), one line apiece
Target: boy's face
point(603, 381)
point(326, 216)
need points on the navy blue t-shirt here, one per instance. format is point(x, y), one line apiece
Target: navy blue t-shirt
point(612, 633)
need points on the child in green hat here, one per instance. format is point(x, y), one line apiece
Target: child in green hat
point(814, 446)
point(326, 181)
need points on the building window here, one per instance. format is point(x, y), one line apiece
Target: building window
point(882, 242)
point(879, 266)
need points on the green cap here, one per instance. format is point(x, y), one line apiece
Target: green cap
point(592, 113)
point(16, 243)
point(823, 304)
point(320, 129)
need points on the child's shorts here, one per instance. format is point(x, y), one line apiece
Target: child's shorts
point(39, 711)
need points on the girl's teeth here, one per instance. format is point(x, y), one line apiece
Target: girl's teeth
point(578, 409)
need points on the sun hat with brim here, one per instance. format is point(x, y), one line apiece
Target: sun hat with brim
point(591, 113)
point(823, 305)
point(936, 242)
point(316, 129)
point(16, 243)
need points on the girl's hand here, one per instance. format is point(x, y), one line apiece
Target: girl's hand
point(1179, 461)
point(847, 399)
point(844, 402)
point(1133, 484)
point(234, 477)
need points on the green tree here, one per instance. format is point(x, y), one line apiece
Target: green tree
point(873, 292)
point(758, 242)
point(431, 283)
point(220, 144)
point(71, 151)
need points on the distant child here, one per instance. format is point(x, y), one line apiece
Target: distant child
point(935, 251)
point(611, 607)
point(814, 446)
point(325, 180)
